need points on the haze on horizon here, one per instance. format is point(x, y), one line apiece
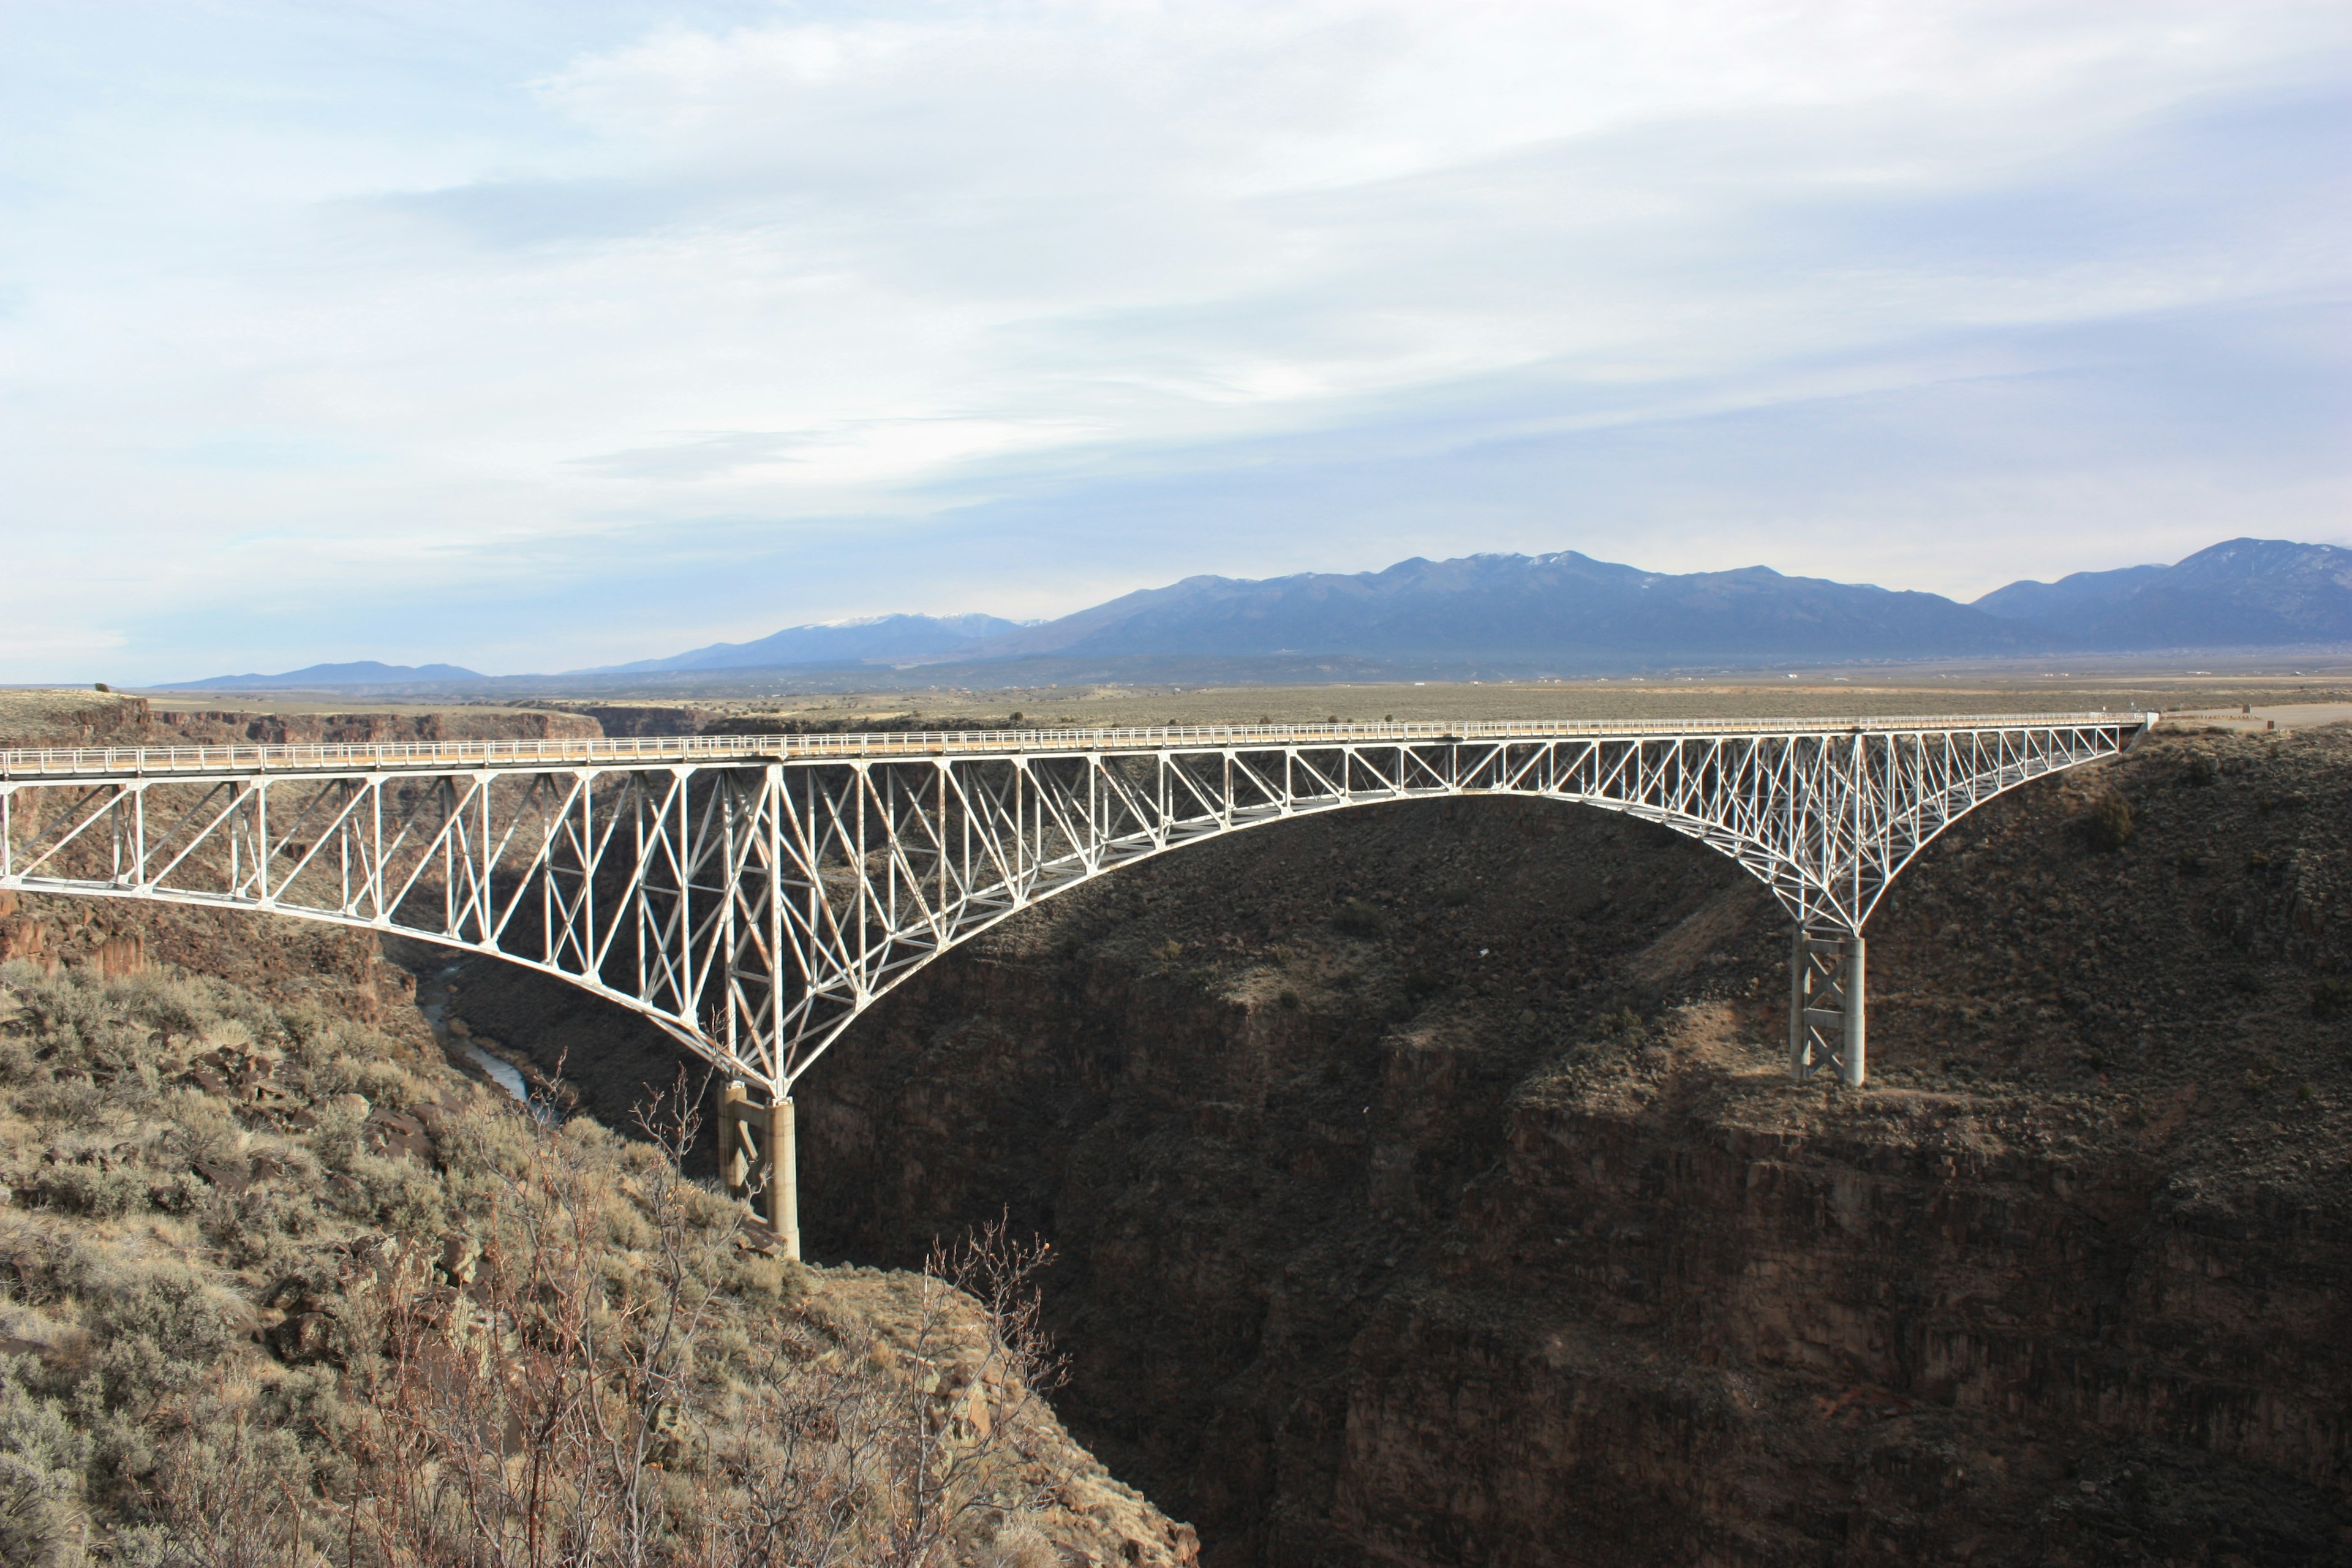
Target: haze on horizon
point(534, 336)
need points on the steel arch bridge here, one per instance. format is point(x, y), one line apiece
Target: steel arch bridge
point(753, 895)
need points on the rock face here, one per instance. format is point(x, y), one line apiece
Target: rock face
point(54, 717)
point(121, 956)
point(95, 1090)
point(1738, 1342)
point(42, 718)
point(645, 718)
point(1429, 1190)
point(370, 729)
point(1415, 1219)
point(279, 959)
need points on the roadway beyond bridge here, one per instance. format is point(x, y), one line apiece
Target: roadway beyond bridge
point(752, 895)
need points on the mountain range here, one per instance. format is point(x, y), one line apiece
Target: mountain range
point(2244, 592)
point(1557, 613)
point(1565, 609)
point(873, 637)
point(363, 673)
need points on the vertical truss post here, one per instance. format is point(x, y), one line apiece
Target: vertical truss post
point(732, 1173)
point(1854, 1059)
point(1826, 1019)
point(785, 1177)
point(759, 1156)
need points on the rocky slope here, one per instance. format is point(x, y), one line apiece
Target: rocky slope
point(61, 718)
point(228, 1143)
point(233, 1219)
point(1428, 1190)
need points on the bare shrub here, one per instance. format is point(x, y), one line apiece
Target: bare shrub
point(41, 1461)
point(582, 1397)
point(101, 1191)
point(825, 1462)
point(2108, 825)
point(161, 1328)
point(234, 1494)
point(554, 1349)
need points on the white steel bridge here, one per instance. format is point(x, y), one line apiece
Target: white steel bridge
point(752, 895)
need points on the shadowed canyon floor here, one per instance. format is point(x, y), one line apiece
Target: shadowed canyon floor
point(1428, 1189)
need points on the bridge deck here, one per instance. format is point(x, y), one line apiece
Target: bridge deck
point(62, 764)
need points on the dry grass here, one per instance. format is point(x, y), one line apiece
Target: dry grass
point(270, 1298)
point(62, 715)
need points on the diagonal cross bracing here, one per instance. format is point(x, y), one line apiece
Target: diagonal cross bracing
point(753, 895)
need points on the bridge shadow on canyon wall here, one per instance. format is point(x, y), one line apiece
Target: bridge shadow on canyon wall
point(1428, 1188)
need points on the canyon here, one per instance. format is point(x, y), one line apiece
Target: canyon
point(1424, 1185)
point(260, 1214)
point(1428, 1188)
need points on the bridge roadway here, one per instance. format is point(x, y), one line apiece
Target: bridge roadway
point(754, 894)
point(250, 758)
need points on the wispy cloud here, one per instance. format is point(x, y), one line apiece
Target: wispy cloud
point(656, 323)
point(702, 457)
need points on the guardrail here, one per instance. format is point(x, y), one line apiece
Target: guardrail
point(94, 762)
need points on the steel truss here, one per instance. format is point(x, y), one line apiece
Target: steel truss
point(753, 896)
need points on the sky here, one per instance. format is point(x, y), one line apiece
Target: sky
point(533, 336)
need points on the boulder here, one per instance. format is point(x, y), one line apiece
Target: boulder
point(460, 1255)
point(21, 937)
point(231, 1179)
point(395, 1135)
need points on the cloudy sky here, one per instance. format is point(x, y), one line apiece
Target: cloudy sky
point(534, 335)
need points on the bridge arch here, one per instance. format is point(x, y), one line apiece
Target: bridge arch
point(1690, 827)
point(753, 896)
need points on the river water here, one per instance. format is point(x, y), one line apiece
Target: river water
point(503, 1073)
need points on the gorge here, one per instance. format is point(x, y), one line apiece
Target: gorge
point(1425, 1185)
point(1431, 1192)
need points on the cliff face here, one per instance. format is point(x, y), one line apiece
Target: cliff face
point(370, 729)
point(1686, 1326)
point(58, 717)
point(122, 937)
point(196, 1225)
point(1428, 1189)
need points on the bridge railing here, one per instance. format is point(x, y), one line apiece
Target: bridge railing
point(236, 757)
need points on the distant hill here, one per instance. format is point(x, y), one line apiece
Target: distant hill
point(2067, 599)
point(2244, 592)
point(1565, 609)
point(1559, 614)
point(875, 637)
point(365, 672)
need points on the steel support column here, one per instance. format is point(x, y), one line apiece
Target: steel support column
point(759, 1157)
point(733, 1173)
point(785, 1177)
point(1826, 1017)
point(1854, 1058)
